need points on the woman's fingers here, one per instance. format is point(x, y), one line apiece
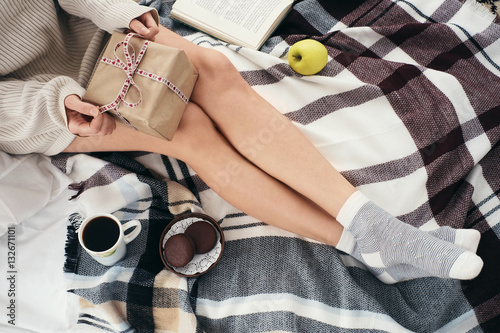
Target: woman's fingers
point(73, 102)
point(145, 25)
point(84, 118)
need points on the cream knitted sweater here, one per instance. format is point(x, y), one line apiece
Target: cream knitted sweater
point(46, 56)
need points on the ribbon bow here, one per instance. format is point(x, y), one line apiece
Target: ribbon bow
point(131, 67)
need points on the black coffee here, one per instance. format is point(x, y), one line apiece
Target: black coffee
point(100, 234)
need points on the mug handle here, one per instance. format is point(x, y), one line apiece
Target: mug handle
point(131, 236)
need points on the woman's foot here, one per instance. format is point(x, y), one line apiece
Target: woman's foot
point(395, 251)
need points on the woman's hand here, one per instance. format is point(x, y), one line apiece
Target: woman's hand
point(145, 25)
point(84, 118)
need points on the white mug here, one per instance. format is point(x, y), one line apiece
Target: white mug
point(103, 237)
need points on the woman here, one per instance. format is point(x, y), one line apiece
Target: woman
point(217, 132)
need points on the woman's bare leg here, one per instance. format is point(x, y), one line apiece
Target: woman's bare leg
point(258, 131)
point(234, 178)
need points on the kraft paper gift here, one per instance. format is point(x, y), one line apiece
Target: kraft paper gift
point(145, 84)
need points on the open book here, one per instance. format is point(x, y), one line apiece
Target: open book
point(241, 22)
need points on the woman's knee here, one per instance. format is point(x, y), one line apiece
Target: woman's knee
point(207, 61)
point(215, 65)
point(218, 80)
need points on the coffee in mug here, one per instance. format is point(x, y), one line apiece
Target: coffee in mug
point(103, 237)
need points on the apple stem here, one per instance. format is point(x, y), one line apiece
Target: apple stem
point(298, 57)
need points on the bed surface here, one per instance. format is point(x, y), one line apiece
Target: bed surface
point(412, 122)
point(34, 192)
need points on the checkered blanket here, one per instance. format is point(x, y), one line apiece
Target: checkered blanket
point(408, 109)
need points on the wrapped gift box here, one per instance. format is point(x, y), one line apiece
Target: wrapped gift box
point(145, 84)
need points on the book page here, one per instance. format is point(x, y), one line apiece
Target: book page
point(247, 20)
point(250, 15)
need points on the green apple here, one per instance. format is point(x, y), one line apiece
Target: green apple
point(307, 57)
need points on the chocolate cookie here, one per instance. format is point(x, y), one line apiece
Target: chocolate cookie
point(203, 235)
point(179, 250)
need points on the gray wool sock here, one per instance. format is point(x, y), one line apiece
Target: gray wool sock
point(465, 238)
point(395, 251)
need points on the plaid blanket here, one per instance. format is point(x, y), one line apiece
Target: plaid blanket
point(491, 4)
point(407, 109)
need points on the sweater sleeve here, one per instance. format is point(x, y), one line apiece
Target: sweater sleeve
point(34, 122)
point(108, 15)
